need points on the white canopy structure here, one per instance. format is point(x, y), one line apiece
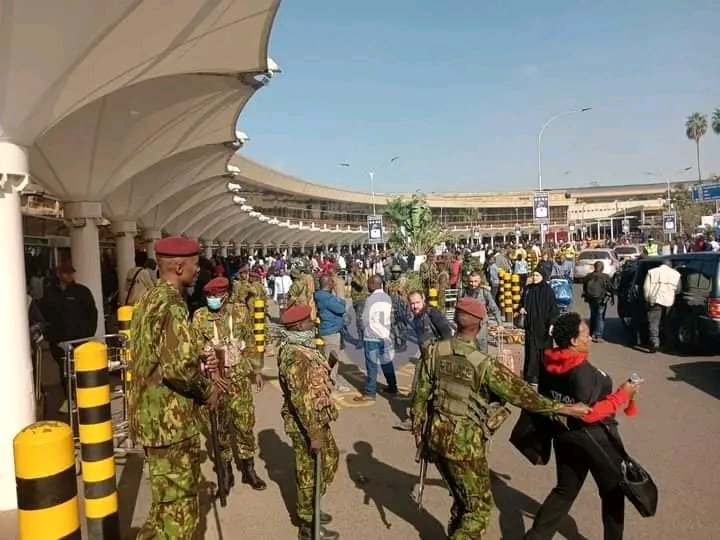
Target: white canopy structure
point(115, 107)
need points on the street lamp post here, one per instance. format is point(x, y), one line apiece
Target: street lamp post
point(371, 174)
point(542, 130)
point(668, 179)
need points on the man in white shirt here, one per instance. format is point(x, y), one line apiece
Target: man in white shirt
point(377, 340)
point(659, 289)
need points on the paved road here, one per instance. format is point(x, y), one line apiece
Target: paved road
point(675, 436)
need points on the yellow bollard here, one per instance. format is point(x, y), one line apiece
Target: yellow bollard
point(96, 441)
point(516, 289)
point(259, 325)
point(46, 482)
point(507, 297)
point(433, 296)
point(319, 342)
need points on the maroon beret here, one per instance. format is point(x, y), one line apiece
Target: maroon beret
point(176, 246)
point(218, 285)
point(254, 274)
point(472, 307)
point(295, 314)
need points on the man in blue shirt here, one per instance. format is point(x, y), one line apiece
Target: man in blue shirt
point(331, 312)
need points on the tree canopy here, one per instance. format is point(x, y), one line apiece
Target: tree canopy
point(413, 225)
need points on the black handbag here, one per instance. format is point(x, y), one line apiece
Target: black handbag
point(532, 437)
point(635, 482)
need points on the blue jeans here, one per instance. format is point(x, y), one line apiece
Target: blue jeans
point(597, 317)
point(376, 355)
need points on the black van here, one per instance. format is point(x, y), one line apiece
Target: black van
point(695, 317)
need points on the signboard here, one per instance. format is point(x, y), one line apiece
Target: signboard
point(571, 227)
point(544, 228)
point(541, 207)
point(625, 226)
point(709, 192)
point(669, 222)
point(375, 230)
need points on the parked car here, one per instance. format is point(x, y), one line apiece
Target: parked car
point(695, 317)
point(586, 259)
point(625, 253)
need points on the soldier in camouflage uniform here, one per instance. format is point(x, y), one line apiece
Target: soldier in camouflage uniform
point(358, 294)
point(166, 389)
point(256, 282)
point(443, 282)
point(458, 406)
point(428, 273)
point(302, 289)
point(307, 411)
point(227, 324)
point(243, 290)
point(397, 288)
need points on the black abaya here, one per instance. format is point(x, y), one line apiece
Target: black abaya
point(542, 312)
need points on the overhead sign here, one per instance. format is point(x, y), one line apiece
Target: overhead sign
point(669, 222)
point(709, 192)
point(544, 228)
point(625, 226)
point(571, 227)
point(541, 207)
point(375, 230)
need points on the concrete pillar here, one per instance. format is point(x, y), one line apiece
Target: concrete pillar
point(16, 383)
point(224, 250)
point(149, 238)
point(125, 232)
point(82, 218)
point(208, 251)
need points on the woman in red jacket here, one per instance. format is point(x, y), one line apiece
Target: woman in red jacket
point(586, 445)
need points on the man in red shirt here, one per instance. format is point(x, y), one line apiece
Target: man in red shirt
point(455, 268)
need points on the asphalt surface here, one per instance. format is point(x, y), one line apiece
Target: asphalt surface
point(674, 436)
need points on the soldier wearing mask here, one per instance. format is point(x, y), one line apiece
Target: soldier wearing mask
point(227, 324)
point(468, 390)
point(308, 410)
point(168, 383)
point(477, 290)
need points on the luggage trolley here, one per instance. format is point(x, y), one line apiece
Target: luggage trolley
point(118, 362)
point(502, 336)
point(451, 298)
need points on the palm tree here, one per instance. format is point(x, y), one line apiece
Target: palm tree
point(413, 225)
point(716, 121)
point(695, 128)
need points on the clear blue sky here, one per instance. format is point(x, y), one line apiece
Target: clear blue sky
point(460, 88)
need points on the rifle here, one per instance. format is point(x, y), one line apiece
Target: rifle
point(222, 477)
point(317, 531)
point(421, 458)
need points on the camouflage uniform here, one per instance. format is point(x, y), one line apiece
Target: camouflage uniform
point(401, 314)
point(443, 282)
point(470, 265)
point(466, 388)
point(428, 275)
point(358, 294)
point(238, 410)
point(301, 291)
point(307, 411)
point(164, 413)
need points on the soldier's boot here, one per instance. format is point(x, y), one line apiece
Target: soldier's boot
point(229, 474)
point(249, 476)
point(305, 532)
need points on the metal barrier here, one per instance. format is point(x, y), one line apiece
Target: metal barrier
point(46, 485)
point(96, 441)
point(451, 298)
point(259, 325)
point(118, 357)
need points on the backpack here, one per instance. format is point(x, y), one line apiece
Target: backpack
point(596, 287)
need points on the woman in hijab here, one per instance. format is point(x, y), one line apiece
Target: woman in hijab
point(540, 310)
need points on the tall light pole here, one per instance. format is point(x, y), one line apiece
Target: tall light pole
point(371, 174)
point(542, 130)
point(668, 179)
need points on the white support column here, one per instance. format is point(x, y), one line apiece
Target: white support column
point(224, 249)
point(82, 218)
point(125, 232)
point(149, 238)
point(16, 384)
point(208, 251)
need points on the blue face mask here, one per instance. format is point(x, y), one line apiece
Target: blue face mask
point(214, 304)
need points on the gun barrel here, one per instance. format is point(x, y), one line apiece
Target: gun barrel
point(421, 486)
point(217, 458)
point(317, 531)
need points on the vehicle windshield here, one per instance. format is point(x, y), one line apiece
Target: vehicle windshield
point(593, 255)
point(627, 250)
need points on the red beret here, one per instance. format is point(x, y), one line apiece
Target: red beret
point(472, 307)
point(295, 314)
point(176, 246)
point(254, 275)
point(218, 285)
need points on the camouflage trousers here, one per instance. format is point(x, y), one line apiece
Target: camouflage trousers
point(469, 483)
point(174, 477)
point(305, 470)
point(237, 412)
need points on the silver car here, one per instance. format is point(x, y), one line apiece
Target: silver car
point(586, 259)
point(624, 253)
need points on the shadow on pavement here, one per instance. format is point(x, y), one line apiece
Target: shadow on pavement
point(127, 488)
point(704, 376)
point(279, 460)
point(513, 505)
point(390, 490)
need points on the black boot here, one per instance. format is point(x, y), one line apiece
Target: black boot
point(305, 532)
point(249, 476)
